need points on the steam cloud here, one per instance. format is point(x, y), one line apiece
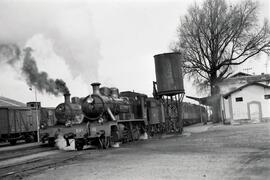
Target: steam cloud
point(69, 25)
point(62, 144)
point(10, 54)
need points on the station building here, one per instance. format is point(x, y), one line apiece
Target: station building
point(245, 98)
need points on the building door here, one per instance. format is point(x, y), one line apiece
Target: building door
point(255, 112)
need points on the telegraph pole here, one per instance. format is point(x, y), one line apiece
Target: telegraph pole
point(36, 109)
point(37, 119)
point(266, 66)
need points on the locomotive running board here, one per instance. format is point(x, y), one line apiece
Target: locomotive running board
point(130, 120)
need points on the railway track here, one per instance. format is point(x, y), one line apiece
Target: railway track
point(15, 158)
point(22, 162)
point(16, 153)
point(38, 162)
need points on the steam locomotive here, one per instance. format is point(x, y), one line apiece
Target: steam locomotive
point(101, 118)
point(107, 116)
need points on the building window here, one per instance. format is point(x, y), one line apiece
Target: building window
point(238, 99)
point(267, 96)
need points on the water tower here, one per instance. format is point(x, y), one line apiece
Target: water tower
point(169, 87)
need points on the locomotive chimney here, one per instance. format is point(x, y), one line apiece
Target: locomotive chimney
point(95, 88)
point(115, 92)
point(67, 98)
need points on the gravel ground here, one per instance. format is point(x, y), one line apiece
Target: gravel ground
point(212, 152)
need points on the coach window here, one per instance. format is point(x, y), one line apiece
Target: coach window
point(267, 96)
point(238, 99)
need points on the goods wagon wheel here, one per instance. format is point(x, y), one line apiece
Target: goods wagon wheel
point(12, 142)
point(29, 138)
point(51, 141)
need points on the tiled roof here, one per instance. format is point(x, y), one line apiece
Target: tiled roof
point(240, 74)
point(244, 86)
point(10, 102)
point(248, 79)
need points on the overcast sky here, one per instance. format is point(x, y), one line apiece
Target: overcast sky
point(112, 42)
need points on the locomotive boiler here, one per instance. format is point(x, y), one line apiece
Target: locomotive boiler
point(69, 113)
point(104, 104)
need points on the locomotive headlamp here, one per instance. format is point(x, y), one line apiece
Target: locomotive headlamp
point(68, 123)
point(101, 120)
point(89, 100)
point(42, 126)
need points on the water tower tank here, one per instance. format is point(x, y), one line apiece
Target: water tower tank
point(169, 74)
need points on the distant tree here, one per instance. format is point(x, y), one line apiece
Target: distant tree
point(216, 36)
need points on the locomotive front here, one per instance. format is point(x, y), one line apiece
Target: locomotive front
point(68, 113)
point(104, 104)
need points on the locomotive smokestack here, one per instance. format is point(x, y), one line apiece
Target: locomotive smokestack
point(67, 97)
point(95, 87)
point(115, 92)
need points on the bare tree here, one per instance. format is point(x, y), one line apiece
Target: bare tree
point(217, 36)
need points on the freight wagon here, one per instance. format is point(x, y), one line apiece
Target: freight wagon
point(17, 123)
point(20, 123)
point(46, 115)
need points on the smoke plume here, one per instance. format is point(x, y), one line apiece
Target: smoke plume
point(41, 80)
point(11, 53)
point(68, 24)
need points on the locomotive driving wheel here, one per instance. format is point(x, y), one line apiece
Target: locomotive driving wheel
point(79, 144)
point(104, 142)
point(107, 142)
point(135, 133)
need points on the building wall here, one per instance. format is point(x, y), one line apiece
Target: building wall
point(250, 94)
point(226, 109)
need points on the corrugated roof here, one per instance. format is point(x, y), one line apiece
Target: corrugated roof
point(10, 102)
point(247, 78)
